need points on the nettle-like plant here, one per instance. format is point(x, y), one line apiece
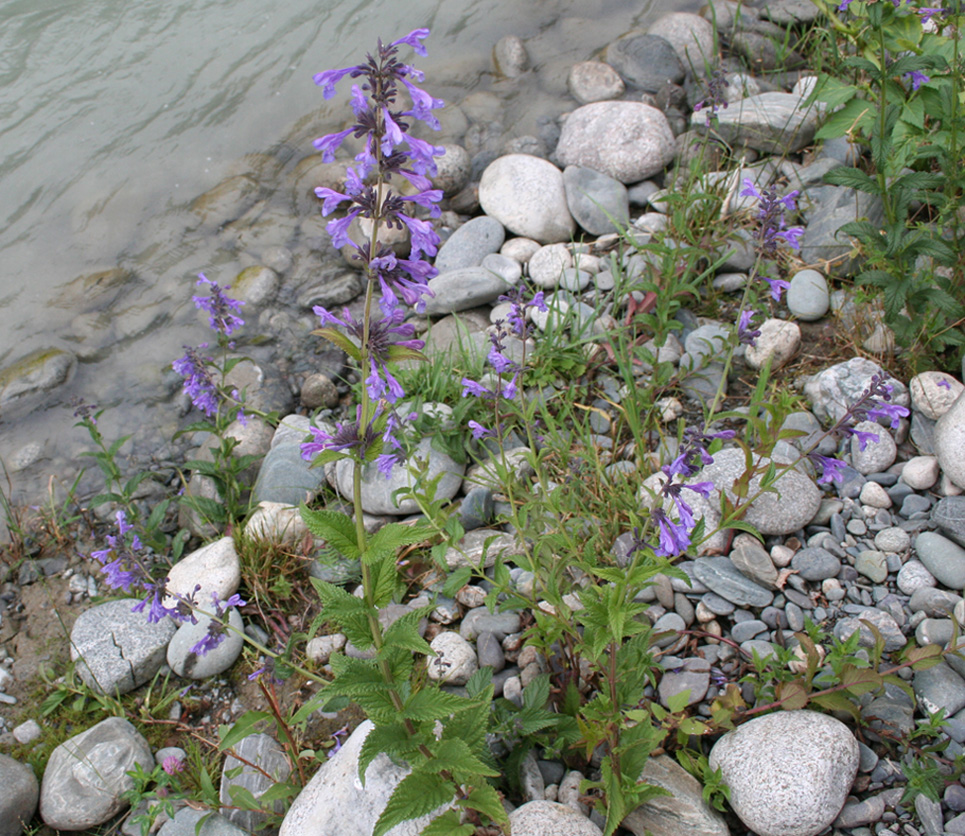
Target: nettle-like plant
point(903, 103)
point(440, 735)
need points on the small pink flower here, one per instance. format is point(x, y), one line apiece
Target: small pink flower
point(173, 765)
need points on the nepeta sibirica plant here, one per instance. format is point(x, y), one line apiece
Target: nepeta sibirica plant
point(205, 383)
point(440, 736)
point(898, 96)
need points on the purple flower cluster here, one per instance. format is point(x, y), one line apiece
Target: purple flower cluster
point(220, 308)
point(389, 151)
point(926, 12)
point(217, 628)
point(123, 567)
point(500, 386)
point(715, 98)
point(873, 405)
point(199, 384)
point(772, 228)
point(386, 131)
point(674, 536)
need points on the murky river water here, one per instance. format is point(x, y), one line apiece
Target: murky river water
point(116, 115)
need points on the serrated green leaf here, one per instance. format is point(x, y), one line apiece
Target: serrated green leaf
point(486, 800)
point(852, 178)
point(456, 581)
point(430, 703)
point(418, 794)
point(448, 824)
point(793, 695)
point(453, 755)
point(404, 634)
point(387, 541)
point(391, 738)
point(334, 527)
point(351, 614)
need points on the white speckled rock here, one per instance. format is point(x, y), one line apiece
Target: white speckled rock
point(920, 472)
point(933, 393)
point(594, 81)
point(778, 342)
point(629, 141)
point(788, 773)
point(455, 659)
point(526, 195)
point(832, 391)
point(771, 122)
point(548, 263)
point(877, 456)
point(275, 522)
point(548, 818)
point(949, 442)
point(807, 296)
point(215, 567)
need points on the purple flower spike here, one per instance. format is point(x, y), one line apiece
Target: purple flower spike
point(831, 469)
point(746, 334)
point(219, 307)
point(778, 286)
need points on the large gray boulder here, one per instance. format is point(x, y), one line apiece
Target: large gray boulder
point(87, 775)
point(18, 801)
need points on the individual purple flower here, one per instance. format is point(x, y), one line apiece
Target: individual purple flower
point(83, 410)
point(337, 738)
point(864, 438)
point(479, 431)
point(746, 334)
point(842, 8)
point(778, 286)
point(928, 12)
point(330, 143)
point(471, 387)
point(916, 78)
point(329, 78)
point(424, 237)
point(944, 384)
point(422, 105)
point(518, 304)
point(221, 309)
point(414, 39)
point(831, 469)
point(198, 383)
point(393, 452)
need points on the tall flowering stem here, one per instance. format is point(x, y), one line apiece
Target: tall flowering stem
point(391, 164)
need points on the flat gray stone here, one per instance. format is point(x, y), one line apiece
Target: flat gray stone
point(185, 823)
point(720, 576)
point(774, 123)
point(377, 490)
point(480, 546)
point(117, 650)
point(890, 631)
point(193, 666)
point(826, 210)
point(808, 297)
point(833, 391)
point(815, 564)
point(943, 558)
point(87, 774)
point(949, 442)
point(752, 560)
point(645, 61)
point(18, 801)
point(598, 203)
point(548, 818)
point(949, 515)
point(470, 244)
point(464, 288)
point(684, 811)
point(939, 687)
point(789, 773)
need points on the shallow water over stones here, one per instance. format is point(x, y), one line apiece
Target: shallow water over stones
point(102, 238)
